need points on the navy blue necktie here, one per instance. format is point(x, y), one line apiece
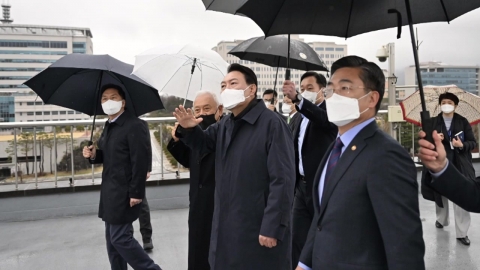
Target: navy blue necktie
point(334, 157)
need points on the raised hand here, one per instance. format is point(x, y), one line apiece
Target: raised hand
point(185, 118)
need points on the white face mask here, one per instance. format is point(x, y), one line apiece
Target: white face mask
point(447, 108)
point(286, 108)
point(342, 110)
point(111, 107)
point(267, 103)
point(310, 96)
point(232, 97)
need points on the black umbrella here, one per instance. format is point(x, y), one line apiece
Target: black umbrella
point(273, 52)
point(346, 18)
point(74, 82)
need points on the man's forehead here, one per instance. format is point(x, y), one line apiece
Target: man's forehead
point(234, 75)
point(204, 100)
point(110, 91)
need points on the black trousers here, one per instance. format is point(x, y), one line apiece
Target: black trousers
point(302, 216)
point(145, 223)
point(122, 248)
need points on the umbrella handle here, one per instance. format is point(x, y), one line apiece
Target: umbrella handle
point(428, 126)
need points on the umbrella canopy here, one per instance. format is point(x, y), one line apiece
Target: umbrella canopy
point(74, 82)
point(181, 70)
point(342, 18)
point(468, 107)
point(273, 51)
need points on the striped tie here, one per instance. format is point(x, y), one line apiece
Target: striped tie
point(334, 157)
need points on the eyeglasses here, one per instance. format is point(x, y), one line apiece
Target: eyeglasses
point(342, 90)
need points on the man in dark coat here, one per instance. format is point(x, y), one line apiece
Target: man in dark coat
point(365, 192)
point(123, 150)
point(254, 177)
point(311, 139)
point(458, 149)
point(202, 182)
point(270, 97)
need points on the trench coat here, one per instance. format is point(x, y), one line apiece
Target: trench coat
point(254, 185)
point(201, 195)
point(460, 158)
point(124, 150)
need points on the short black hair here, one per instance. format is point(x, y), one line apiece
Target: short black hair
point(321, 80)
point(270, 91)
point(249, 75)
point(450, 96)
point(114, 86)
point(371, 74)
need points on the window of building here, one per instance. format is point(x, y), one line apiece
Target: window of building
point(30, 103)
point(327, 55)
point(46, 113)
point(329, 49)
point(339, 49)
point(21, 78)
point(33, 52)
point(63, 112)
point(21, 69)
point(332, 55)
point(28, 61)
point(440, 69)
point(38, 103)
point(21, 114)
point(77, 112)
point(79, 47)
point(319, 49)
point(33, 44)
point(54, 113)
point(38, 113)
point(29, 113)
point(71, 112)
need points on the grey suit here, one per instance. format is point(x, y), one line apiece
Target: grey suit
point(369, 215)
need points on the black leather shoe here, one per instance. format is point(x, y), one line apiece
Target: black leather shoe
point(148, 245)
point(464, 241)
point(438, 225)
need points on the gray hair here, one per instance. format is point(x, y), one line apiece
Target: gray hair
point(206, 92)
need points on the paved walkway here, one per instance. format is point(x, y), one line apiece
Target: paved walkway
point(77, 243)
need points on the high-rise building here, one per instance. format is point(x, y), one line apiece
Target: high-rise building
point(329, 52)
point(438, 73)
point(26, 50)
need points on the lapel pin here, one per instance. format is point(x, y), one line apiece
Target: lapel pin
point(354, 148)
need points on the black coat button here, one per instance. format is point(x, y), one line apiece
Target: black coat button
point(319, 228)
point(200, 186)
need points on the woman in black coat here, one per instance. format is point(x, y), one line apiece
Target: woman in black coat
point(458, 140)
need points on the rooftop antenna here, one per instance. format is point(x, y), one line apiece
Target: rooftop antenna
point(6, 13)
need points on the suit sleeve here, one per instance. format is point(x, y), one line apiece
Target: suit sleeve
point(98, 157)
point(180, 152)
point(315, 114)
point(138, 144)
point(281, 171)
point(394, 197)
point(203, 141)
point(459, 189)
point(149, 148)
point(469, 138)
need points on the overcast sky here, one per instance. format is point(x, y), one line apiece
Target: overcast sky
point(124, 28)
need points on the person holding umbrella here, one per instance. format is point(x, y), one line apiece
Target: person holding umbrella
point(458, 139)
point(254, 177)
point(312, 137)
point(365, 192)
point(124, 152)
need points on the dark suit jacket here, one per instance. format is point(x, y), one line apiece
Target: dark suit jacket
point(124, 152)
point(369, 217)
point(462, 191)
point(320, 133)
point(461, 159)
point(295, 121)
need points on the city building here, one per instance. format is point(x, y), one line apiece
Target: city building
point(329, 52)
point(26, 50)
point(438, 73)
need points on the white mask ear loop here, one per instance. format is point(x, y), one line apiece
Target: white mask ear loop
point(363, 97)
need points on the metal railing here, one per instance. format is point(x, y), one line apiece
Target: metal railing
point(15, 126)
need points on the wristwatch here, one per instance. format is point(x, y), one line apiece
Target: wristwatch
point(298, 98)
